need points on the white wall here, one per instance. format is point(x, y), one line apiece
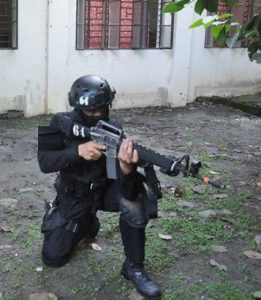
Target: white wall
point(199, 71)
point(37, 76)
point(140, 77)
point(22, 71)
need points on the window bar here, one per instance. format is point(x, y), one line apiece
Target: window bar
point(120, 19)
point(14, 31)
point(146, 25)
point(132, 22)
point(87, 22)
point(159, 23)
point(104, 24)
point(140, 25)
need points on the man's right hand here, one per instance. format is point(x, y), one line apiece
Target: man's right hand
point(91, 150)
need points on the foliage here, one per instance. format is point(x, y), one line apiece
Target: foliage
point(221, 25)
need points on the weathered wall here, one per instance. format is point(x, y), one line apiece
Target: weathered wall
point(140, 77)
point(22, 71)
point(199, 71)
point(37, 76)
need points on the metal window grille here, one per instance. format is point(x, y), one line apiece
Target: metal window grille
point(8, 24)
point(123, 24)
point(242, 12)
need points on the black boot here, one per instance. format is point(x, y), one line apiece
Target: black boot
point(144, 285)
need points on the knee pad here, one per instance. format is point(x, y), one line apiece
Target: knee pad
point(133, 212)
point(55, 262)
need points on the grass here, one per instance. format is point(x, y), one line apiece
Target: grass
point(217, 291)
point(101, 271)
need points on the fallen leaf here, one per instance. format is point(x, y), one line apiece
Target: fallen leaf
point(5, 247)
point(25, 190)
point(135, 295)
point(257, 294)
point(219, 266)
point(214, 172)
point(184, 203)
point(229, 220)
point(258, 239)
point(252, 254)
point(42, 296)
point(225, 211)
point(165, 237)
point(219, 248)
point(152, 223)
point(209, 237)
point(96, 247)
point(6, 228)
point(168, 214)
point(207, 213)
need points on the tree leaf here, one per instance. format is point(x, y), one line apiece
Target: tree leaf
point(209, 20)
point(230, 2)
point(211, 5)
point(173, 7)
point(199, 6)
point(251, 23)
point(225, 16)
point(196, 23)
point(216, 30)
point(221, 38)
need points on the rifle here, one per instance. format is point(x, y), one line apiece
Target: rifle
point(112, 135)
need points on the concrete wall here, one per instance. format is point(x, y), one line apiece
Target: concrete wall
point(22, 71)
point(140, 77)
point(199, 71)
point(37, 76)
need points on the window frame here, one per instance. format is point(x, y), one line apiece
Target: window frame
point(83, 28)
point(209, 40)
point(13, 25)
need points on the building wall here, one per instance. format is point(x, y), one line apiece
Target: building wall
point(37, 76)
point(22, 71)
point(140, 77)
point(199, 71)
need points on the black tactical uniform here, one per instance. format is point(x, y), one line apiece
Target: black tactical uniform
point(82, 189)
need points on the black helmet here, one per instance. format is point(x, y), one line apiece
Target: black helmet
point(91, 92)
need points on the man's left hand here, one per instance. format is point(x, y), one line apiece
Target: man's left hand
point(127, 156)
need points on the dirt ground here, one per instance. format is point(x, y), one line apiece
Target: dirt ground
point(210, 229)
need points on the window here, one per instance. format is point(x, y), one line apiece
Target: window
point(123, 24)
point(8, 24)
point(242, 12)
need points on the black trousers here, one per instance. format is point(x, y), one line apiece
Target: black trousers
point(61, 236)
